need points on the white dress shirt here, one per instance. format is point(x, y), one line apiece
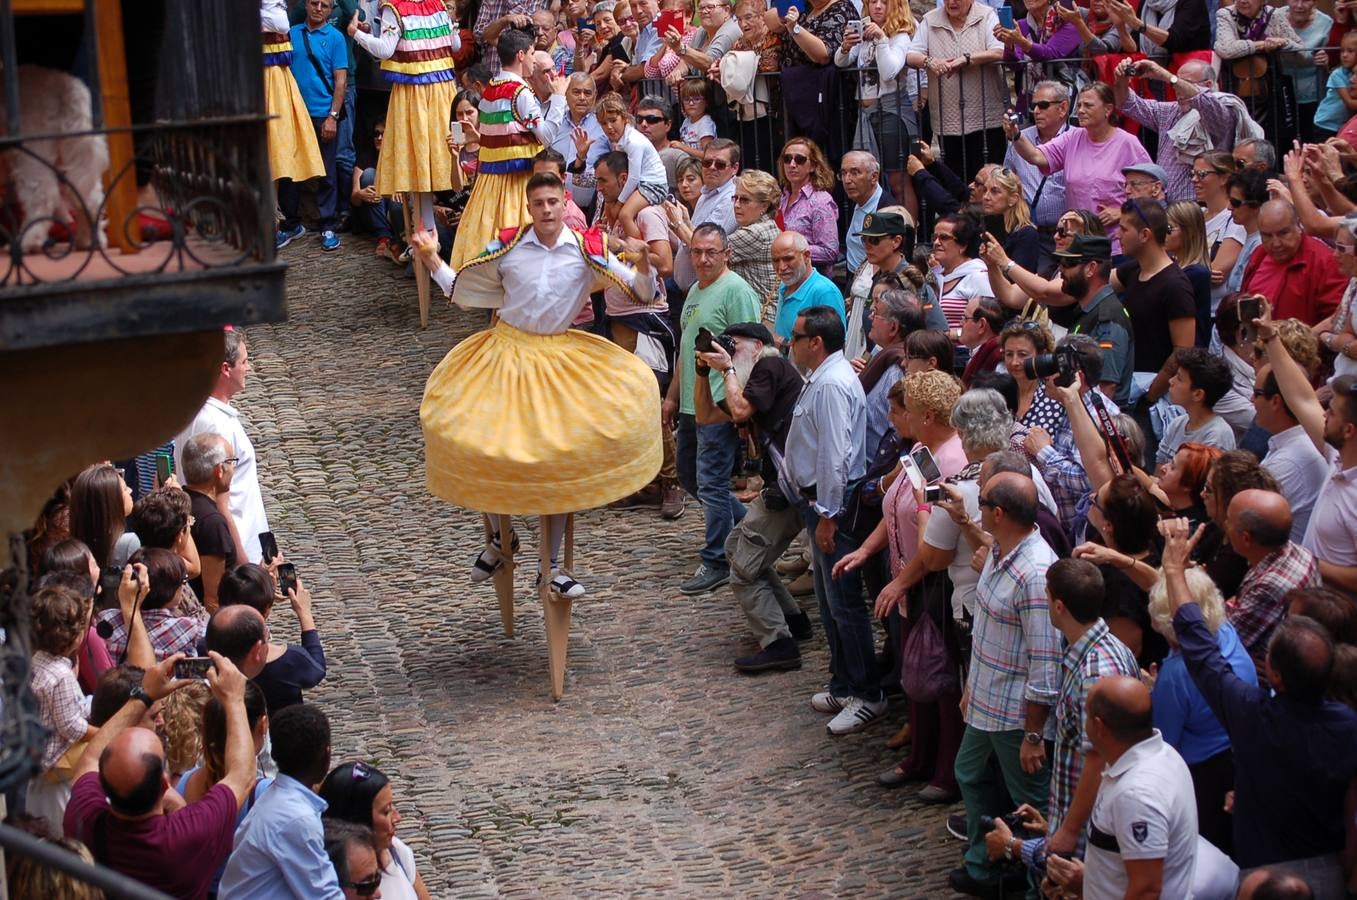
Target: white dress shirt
point(1301, 472)
point(246, 500)
point(716, 205)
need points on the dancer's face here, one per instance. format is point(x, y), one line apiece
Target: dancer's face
point(546, 206)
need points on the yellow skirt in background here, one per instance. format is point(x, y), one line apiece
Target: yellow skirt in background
point(415, 155)
point(530, 424)
point(497, 202)
point(293, 151)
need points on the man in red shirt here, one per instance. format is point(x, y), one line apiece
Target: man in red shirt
point(1296, 272)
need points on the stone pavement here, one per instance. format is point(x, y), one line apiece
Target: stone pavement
point(661, 772)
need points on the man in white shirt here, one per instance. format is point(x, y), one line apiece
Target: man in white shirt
point(1297, 464)
point(720, 165)
point(1142, 837)
point(244, 504)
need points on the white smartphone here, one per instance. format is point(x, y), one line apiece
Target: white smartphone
point(911, 470)
point(927, 465)
point(458, 133)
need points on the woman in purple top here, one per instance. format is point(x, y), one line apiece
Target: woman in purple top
point(1092, 157)
point(1040, 37)
point(807, 206)
point(290, 668)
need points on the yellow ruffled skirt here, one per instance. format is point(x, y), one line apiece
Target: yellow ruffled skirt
point(293, 151)
point(415, 155)
point(531, 424)
point(497, 202)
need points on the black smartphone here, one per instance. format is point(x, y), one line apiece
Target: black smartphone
point(928, 466)
point(704, 341)
point(193, 668)
point(287, 578)
point(933, 493)
point(1250, 308)
point(268, 546)
point(164, 467)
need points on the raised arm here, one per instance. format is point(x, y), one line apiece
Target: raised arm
point(1294, 385)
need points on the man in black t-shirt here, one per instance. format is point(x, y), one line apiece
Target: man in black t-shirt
point(761, 390)
point(208, 466)
point(1159, 299)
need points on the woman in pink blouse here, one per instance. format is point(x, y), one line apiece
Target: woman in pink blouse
point(807, 206)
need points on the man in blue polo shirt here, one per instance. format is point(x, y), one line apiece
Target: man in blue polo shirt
point(340, 14)
point(802, 287)
point(320, 65)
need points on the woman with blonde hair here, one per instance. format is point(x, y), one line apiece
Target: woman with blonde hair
point(887, 92)
point(757, 195)
point(1009, 218)
point(807, 206)
point(1181, 713)
point(1186, 243)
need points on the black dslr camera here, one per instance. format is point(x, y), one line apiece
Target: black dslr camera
point(1063, 363)
point(1012, 820)
point(705, 342)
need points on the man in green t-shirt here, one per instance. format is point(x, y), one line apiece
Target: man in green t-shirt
point(707, 451)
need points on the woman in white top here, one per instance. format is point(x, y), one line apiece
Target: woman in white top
point(358, 793)
point(877, 47)
point(1341, 337)
point(1224, 237)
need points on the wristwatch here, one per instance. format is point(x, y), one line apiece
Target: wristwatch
point(796, 29)
point(334, 114)
point(967, 57)
point(1032, 737)
point(1173, 81)
point(730, 370)
point(138, 693)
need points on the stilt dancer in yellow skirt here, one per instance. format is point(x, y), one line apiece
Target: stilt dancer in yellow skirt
point(293, 152)
point(531, 417)
point(514, 128)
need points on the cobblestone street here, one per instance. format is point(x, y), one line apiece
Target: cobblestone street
point(661, 771)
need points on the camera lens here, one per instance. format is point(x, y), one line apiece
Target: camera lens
point(1042, 366)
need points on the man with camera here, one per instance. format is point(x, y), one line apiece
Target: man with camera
point(761, 389)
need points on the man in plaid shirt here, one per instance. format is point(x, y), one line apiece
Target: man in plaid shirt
point(1014, 678)
point(1258, 524)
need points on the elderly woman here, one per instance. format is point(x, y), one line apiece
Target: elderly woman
point(807, 206)
point(1252, 26)
point(1042, 36)
point(967, 95)
point(757, 195)
point(755, 107)
point(1092, 156)
point(887, 93)
point(1181, 713)
point(1341, 335)
point(600, 50)
point(716, 34)
point(962, 277)
point(1306, 70)
point(1009, 218)
point(170, 630)
point(921, 408)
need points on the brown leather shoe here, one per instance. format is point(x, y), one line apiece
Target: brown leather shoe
point(803, 585)
point(646, 496)
point(672, 501)
point(900, 738)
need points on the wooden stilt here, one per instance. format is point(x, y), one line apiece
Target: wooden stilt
point(504, 578)
point(421, 273)
point(556, 611)
point(570, 543)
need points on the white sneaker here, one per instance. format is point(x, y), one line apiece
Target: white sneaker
point(826, 702)
point(856, 715)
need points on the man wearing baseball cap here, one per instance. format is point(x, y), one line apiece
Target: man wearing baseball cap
point(1086, 266)
point(1146, 181)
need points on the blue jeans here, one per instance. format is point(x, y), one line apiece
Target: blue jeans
point(844, 616)
point(706, 460)
point(327, 195)
point(344, 154)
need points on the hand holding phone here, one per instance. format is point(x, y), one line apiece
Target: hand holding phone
point(1250, 308)
point(458, 133)
point(1005, 14)
point(287, 578)
point(268, 546)
point(927, 465)
point(193, 668)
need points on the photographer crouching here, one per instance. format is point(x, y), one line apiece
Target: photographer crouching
point(761, 388)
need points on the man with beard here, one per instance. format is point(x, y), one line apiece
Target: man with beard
point(802, 287)
point(1085, 267)
point(761, 388)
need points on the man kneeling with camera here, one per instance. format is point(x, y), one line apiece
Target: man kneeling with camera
point(761, 389)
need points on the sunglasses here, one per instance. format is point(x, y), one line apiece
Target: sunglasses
point(651, 120)
point(1070, 263)
point(715, 164)
point(366, 888)
point(1062, 231)
point(799, 159)
point(987, 503)
point(1044, 105)
point(1236, 202)
point(875, 239)
point(1198, 174)
point(798, 335)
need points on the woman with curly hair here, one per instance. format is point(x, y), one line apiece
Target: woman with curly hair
point(807, 206)
point(1020, 341)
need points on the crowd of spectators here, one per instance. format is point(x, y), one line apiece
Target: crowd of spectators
point(1006, 336)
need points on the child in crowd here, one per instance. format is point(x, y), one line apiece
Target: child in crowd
point(61, 616)
point(1340, 100)
point(647, 182)
point(698, 130)
point(1201, 380)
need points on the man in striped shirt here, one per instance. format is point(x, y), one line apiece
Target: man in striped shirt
point(1014, 678)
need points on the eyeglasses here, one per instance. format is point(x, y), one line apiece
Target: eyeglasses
point(799, 159)
point(1066, 263)
point(1345, 248)
point(715, 164)
point(627, 21)
point(651, 120)
point(1170, 228)
point(987, 503)
point(233, 460)
point(743, 198)
point(1062, 231)
point(1044, 105)
point(367, 888)
point(695, 99)
point(703, 254)
point(941, 236)
point(361, 771)
point(1139, 185)
point(1199, 174)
